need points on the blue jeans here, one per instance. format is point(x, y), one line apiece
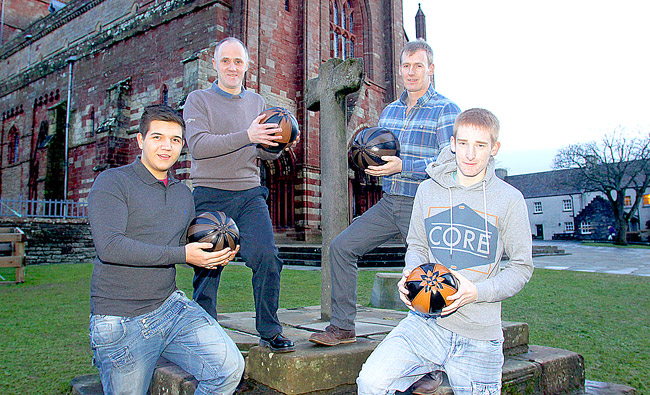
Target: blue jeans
point(250, 212)
point(418, 345)
point(126, 349)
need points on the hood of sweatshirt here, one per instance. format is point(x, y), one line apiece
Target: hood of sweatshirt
point(467, 219)
point(443, 169)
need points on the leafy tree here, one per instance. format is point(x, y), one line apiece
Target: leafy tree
point(612, 166)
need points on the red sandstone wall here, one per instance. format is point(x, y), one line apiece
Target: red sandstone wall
point(117, 74)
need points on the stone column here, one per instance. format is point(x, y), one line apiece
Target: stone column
point(326, 94)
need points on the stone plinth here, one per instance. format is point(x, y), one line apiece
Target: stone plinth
point(333, 370)
point(384, 291)
point(310, 368)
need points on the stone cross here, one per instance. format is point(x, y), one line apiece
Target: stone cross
point(326, 94)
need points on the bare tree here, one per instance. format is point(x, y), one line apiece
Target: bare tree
point(614, 165)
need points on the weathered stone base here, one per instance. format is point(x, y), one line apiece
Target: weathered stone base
point(310, 368)
point(333, 370)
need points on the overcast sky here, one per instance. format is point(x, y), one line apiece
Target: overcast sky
point(554, 72)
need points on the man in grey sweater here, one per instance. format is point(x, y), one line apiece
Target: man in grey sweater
point(223, 130)
point(139, 216)
point(465, 218)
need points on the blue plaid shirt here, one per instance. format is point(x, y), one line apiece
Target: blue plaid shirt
point(422, 133)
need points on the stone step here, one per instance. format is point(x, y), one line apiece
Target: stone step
point(540, 372)
point(386, 255)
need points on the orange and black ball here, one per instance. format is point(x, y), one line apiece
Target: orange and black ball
point(429, 285)
point(286, 121)
point(216, 228)
point(370, 145)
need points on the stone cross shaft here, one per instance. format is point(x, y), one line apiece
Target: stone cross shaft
point(326, 94)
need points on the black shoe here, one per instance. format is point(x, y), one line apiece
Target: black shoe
point(278, 343)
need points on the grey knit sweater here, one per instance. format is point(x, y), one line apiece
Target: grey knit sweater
point(138, 225)
point(217, 136)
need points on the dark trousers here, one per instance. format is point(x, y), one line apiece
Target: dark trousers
point(386, 219)
point(250, 212)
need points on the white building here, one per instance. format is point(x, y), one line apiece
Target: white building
point(558, 209)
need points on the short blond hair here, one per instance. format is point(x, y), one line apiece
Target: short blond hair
point(479, 118)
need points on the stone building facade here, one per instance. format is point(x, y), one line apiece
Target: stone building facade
point(75, 82)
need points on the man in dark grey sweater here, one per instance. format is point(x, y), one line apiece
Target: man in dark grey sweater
point(223, 130)
point(139, 215)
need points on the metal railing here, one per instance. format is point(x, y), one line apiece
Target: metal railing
point(43, 208)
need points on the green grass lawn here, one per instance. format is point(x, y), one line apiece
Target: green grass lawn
point(44, 330)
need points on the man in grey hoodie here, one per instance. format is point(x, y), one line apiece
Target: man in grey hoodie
point(465, 218)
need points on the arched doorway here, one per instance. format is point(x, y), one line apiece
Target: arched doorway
point(279, 177)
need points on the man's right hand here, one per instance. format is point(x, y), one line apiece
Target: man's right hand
point(196, 254)
point(263, 133)
point(403, 292)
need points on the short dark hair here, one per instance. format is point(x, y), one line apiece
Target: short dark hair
point(159, 112)
point(412, 47)
point(234, 40)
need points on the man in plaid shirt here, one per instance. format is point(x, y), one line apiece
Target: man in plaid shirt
point(423, 121)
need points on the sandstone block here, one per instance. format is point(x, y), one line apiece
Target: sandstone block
point(310, 368)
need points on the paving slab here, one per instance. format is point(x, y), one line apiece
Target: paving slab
point(600, 388)
point(365, 313)
point(86, 385)
point(361, 328)
point(605, 259)
point(243, 340)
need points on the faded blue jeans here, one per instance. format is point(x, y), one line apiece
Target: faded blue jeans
point(126, 349)
point(418, 345)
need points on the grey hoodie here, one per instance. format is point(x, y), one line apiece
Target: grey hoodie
point(468, 229)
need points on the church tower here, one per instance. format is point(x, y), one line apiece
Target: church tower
point(420, 24)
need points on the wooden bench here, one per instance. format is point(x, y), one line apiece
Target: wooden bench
point(12, 252)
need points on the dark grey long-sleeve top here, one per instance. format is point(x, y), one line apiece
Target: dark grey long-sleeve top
point(138, 226)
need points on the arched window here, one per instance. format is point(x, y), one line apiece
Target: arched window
point(342, 33)
point(14, 145)
point(43, 138)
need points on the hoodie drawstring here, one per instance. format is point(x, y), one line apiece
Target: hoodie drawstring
point(451, 223)
point(487, 238)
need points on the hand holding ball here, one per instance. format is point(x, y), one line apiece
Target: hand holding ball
point(286, 121)
point(429, 285)
point(216, 228)
point(370, 145)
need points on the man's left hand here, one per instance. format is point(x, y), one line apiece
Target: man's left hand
point(393, 165)
point(467, 293)
point(293, 145)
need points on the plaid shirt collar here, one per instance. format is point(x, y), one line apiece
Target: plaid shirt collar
point(425, 98)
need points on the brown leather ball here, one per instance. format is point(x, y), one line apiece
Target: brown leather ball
point(286, 121)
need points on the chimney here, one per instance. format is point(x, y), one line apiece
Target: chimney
point(420, 24)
